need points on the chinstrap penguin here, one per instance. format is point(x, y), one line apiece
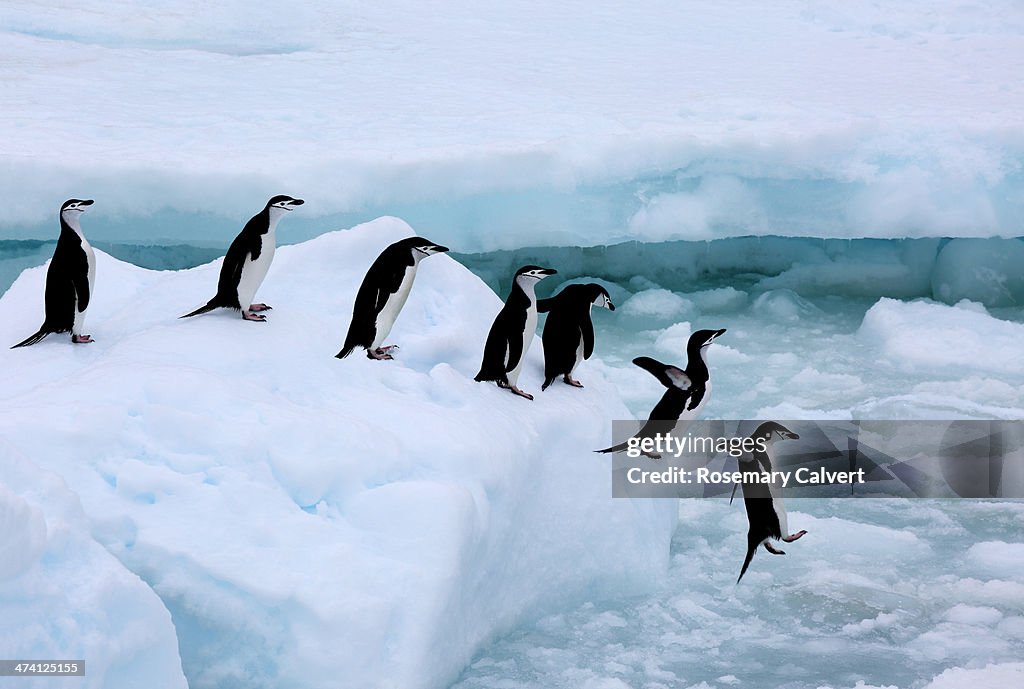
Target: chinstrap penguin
point(382, 295)
point(568, 336)
point(512, 331)
point(686, 393)
point(766, 510)
point(70, 279)
point(248, 260)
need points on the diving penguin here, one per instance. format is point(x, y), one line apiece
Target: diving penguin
point(687, 391)
point(512, 331)
point(766, 510)
point(248, 260)
point(382, 295)
point(70, 279)
point(568, 331)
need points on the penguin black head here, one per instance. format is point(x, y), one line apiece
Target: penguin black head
point(284, 203)
point(421, 246)
point(772, 431)
point(534, 273)
point(702, 338)
point(599, 296)
point(75, 206)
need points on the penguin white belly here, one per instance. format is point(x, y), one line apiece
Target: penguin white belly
point(90, 258)
point(387, 316)
point(253, 272)
point(528, 332)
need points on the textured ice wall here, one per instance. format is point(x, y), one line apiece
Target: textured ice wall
point(503, 125)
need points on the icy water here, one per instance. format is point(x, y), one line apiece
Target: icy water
point(880, 592)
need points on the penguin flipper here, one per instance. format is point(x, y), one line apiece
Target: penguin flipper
point(587, 333)
point(668, 375)
point(32, 339)
point(80, 282)
point(515, 352)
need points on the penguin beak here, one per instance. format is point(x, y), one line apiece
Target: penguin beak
point(720, 333)
point(438, 249)
point(548, 271)
point(296, 202)
point(87, 202)
point(790, 435)
point(611, 306)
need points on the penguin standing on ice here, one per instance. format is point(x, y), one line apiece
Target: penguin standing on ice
point(569, 332)
point(69, 279)
point(382, 295)
point(248, 260)
point(687, 391)
point(512, 331)
point(766, 510)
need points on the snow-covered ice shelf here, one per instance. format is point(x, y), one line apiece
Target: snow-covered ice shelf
point(310, 522)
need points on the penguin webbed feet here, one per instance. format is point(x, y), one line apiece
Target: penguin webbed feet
point(517, 391)
point(773, 550)
point(568, 380)
point(381, 353)
point(505, 385)
point(795, 537)
point(256, 308)
point(246, 315)
point(82, 339)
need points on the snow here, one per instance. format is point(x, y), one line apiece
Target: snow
point(64, 597)
point(496, 125)
point(926, 335)
point(314, 522)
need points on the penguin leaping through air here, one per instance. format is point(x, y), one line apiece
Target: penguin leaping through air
point(70, 279)
point(512, 331)
point(766, 511)
point(248, 260)
point(686, 393)
point(382, 295)
point(569, 331)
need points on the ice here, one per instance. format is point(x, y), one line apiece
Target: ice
point(986, 271)
point(661, 304)
point(66, 598)
point(489, 125)
point(879, 593)
point(995, 676)
point(314, 522)
point(926, 335)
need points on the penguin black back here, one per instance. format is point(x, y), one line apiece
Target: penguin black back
point(244, 251)
point(68, 288)
point(568, 334)
point(382, 283)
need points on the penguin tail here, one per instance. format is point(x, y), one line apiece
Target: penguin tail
point(752, 544)
point(32, 339)
point(210, 306)
point(547, 382)
point(348, 349)
point(614, 448)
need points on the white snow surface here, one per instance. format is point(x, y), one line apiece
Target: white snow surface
point(308, 521)
point(64, 597)
point(540, 123)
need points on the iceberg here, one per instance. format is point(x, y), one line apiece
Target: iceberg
point(309, 522)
